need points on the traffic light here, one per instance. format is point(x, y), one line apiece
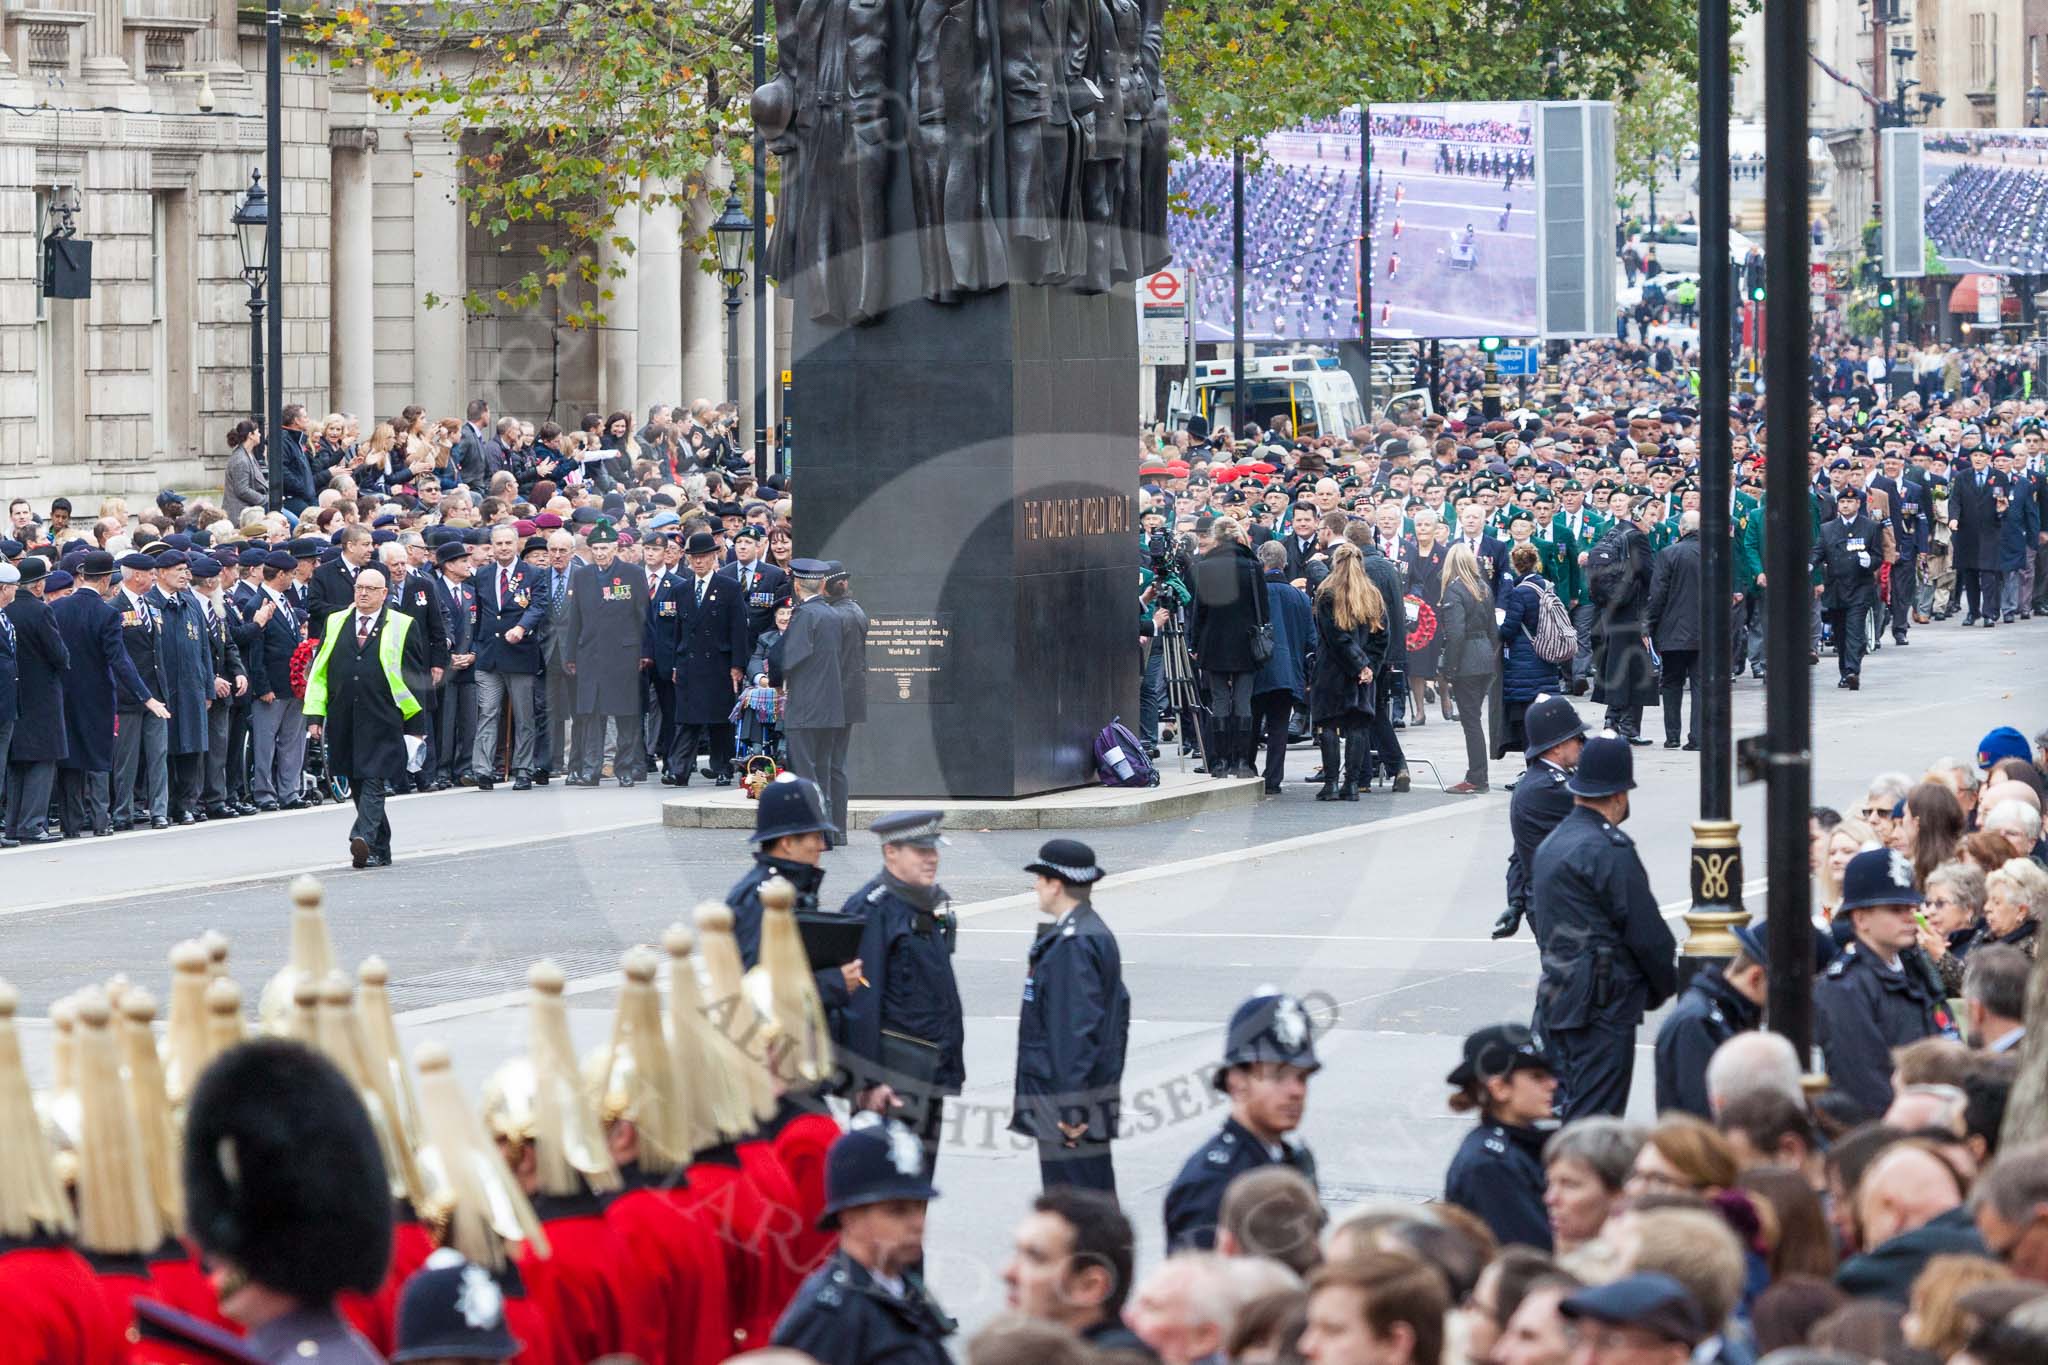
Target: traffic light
point(1884, 298)
point(1489, 344)
point(1756, 293)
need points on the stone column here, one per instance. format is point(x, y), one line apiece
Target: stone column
point(352, 334)
point(217, 47)
point(660, 362)
point(106, 58)
point(618, 344)
point(703, 311)
point(437, 238)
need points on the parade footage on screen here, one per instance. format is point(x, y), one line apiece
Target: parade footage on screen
point(1987, 199)
point(1453, 246)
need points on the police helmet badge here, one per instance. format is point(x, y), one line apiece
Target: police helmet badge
point(479, 1300)
point(906, 1154)
point(1290, 1025)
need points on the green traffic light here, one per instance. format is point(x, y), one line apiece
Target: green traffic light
point(1757, 294)
point(1884, 300)
point(1489, 344)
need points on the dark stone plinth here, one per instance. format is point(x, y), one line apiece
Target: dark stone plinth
point(971, 466)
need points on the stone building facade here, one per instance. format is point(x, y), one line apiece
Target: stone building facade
point(134, 388)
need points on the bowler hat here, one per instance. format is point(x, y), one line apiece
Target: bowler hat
point(789, 805)
point(33, 569)
point(1878, 876)
point(701, 543)
point(96, 564)
point(448, 551)
point(874, 1162)
point(1606, 768)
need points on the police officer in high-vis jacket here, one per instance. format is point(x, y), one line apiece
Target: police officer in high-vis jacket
point(1553, 735)
point(1876, 995)
point(1608, 956)
point(1073, 1026)
point(869, 1302)
point(1270, 1055)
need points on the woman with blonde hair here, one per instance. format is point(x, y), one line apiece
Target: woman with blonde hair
point(1471, 655)
point(1936, 1322)
point(1844, 842)
point(1351, 650)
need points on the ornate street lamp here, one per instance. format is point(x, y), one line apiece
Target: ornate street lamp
point(734, 232)
point(252, 231)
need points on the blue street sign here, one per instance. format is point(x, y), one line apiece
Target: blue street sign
point(1517, 360)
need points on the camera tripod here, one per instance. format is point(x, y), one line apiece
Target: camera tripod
point(1183, 690)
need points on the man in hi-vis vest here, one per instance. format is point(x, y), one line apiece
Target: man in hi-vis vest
point(362, 696)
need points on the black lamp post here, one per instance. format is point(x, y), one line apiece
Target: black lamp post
point(273, 241)
point(763, 338)
point(734, 232)
point(252, 231)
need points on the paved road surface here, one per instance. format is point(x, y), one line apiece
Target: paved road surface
point(1380, 908)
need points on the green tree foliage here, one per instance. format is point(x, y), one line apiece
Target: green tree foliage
point(1654, 124)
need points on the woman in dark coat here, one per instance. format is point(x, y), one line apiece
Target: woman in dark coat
point(1351, 650)
point(1281, 683)
point(1525, 676)
point(1227, 612)
point(1471, 655)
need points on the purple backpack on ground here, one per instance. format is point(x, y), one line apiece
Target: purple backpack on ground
point(1120, 758)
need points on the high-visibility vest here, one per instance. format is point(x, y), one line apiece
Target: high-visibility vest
point(390, 651)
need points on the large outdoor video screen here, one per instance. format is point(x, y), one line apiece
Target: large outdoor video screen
point(1454, 240)
point(1987, 199)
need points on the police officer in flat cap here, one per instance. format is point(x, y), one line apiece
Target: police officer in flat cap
point(1269, 1057)
point(1876, 995)
point(1554, 735)
point(1608, 956)
point(1497, 1172)
point(1073, 1027)
point(286, 1194)
point(905, 1035)
point(869, 1302)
